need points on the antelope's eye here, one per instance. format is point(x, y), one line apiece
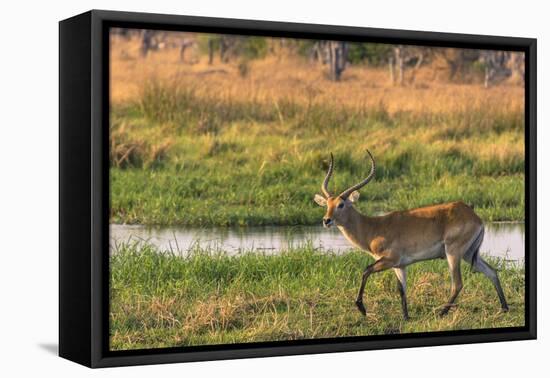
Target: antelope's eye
point(341, 205)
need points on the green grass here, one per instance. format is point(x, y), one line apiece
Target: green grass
point(209, 297)
point(179, 158)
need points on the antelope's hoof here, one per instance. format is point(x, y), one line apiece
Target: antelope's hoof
point(361, 307)
point(505, 309)
point(444, 312)
point(406, 317)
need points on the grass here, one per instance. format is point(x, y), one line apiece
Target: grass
point(200, 145)
point(208, 297)
point(206, 145)
point(179, 158)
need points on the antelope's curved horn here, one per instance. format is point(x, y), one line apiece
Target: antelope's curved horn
point(324, 187)
point(345, 194)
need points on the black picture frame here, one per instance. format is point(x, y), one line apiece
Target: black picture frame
point(84, 188)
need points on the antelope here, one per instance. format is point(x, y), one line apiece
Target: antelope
point(400, 238)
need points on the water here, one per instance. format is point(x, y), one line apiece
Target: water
point(504, 240)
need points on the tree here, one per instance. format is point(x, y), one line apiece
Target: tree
point(337, 58)
point(500, 65)
point(403, 57)
point(374, 54)
point(147, 42)
point(185, 44)
point(333, 53)
point(458, 62)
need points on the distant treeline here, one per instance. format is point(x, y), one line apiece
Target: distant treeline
point(460, 65)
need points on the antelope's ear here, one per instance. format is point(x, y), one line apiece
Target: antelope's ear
point(354, 196)
point(321, 201)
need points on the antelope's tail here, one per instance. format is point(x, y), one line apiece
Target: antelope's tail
point(472, 254)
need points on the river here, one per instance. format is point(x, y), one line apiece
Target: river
point(504, 240)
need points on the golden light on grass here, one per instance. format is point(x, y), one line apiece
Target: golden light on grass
point(227, 145)
point(289, 78)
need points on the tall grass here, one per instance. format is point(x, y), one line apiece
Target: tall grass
point(204, 160)
point(197, 144)
point(208, 297)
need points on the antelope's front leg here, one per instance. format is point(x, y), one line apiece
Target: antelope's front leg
point(401, 274)
point(378, 266)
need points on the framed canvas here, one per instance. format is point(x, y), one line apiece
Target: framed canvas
point(235, 188)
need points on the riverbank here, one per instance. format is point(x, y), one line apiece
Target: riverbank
point(162, 300)
point(181, 157)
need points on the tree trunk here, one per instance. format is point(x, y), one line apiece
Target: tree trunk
point(416, 68)
point(146, 42)
point(337, 56)
point(392, 70)
point(399, 62)
point(210, 51)
point(223, 49)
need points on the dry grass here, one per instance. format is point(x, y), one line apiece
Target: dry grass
point(288, 78)
point(300, 294)
point(131, 149)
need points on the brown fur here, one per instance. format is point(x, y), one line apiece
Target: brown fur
point(401, 238)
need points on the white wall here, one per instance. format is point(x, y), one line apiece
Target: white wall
point(29, 190)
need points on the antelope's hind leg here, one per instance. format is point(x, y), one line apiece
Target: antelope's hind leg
point(401, 274)
point(456, 281)
point(482, 266)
